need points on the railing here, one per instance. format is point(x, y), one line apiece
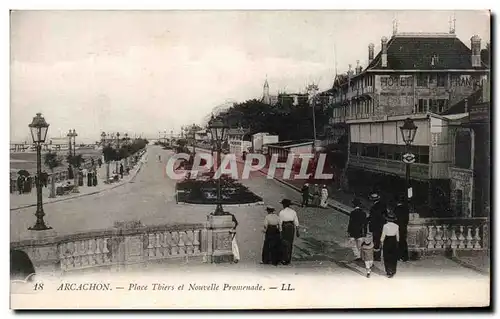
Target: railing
point(392, 166)
point(441, 235)
point(131, 243)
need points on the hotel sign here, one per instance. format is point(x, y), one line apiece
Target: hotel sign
point(479, 112)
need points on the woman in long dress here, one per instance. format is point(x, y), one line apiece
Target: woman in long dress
point(324, 197)
point(272, 242)
point(389, 242)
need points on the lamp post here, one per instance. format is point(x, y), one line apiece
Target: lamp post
point(70, 141)
point(218, 131)
point(103, 138)
point(408, 131)
point(39, 130)
point(117, 167)
point(75, 169)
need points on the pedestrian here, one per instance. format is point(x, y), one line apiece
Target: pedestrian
point(376, 222)
point(305, 195)
point(92, 162)
point(367, 253)
point(234, 243)
point(159, 158)
point(121, 170)
point(20, 184)
point(356, 229)
point(89, 179)
point(316, 198)
point(272, 241)
point(402, 214)
point(324, 197)
point(389, 241)
point(289, 227)
point(99, 162)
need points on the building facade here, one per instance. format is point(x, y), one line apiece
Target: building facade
point(419, 76)
point(238, 140)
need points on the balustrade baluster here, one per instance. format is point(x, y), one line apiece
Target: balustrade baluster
point(167, 240)
point(182, 246)
point(469, 238)
point(99, 258)
point(68, 253)
point(90, 252)
point(83, 253)
point(62, 256)
point(158, 250)
point(461, 238)
point(453, 237)
point(477, 237)
point(150, 247)
point(76, 255)
point(175, 243)
point(105, 251)
point(445, 238)
point(438, 237)
point(430, 237)
point(196, 242)
point(189, 242)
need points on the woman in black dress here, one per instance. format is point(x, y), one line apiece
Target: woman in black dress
point(271, 251)
point(389, 242)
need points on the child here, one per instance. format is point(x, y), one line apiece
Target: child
point(367, 253)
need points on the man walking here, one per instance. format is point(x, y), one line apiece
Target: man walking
point(305, 195)
point(289, 226)
point(376, 222)
point(403, 216)
point(356, 229)
point(121, 170)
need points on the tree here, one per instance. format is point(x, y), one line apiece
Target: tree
point(76, 161)
point(109, 154)
point(52, 160)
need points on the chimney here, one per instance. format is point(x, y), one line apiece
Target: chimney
point(475, 45)
point(349, 71)
point(358, 67)
point(384, 52)
point(371, 48)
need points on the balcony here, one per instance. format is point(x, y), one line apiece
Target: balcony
point(418, 171)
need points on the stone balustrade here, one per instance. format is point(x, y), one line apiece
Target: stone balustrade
point(447, 235)
point(131, 245)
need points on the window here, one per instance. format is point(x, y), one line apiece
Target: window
point(434, 60)
point(463, 149)
point(423, 105)
point(433, 79)
point(442, 80)
point(442, 105)
point(422, 80)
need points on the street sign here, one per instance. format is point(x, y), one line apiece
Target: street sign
point(408, 158)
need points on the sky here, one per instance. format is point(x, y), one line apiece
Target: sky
point(142, 72)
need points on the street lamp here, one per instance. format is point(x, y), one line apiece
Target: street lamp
point(218, 131)
point(408, 131)
point(39, 130)
point(103, 138)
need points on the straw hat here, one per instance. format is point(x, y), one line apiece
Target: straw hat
point(374, 196)
point(270, 209)
point(390, 217)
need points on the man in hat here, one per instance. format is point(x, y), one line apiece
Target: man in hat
point(289, 226)
point(402, 214)
point(305, 195)
point(376, 222)
point(356, 228)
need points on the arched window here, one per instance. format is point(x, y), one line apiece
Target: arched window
point(463, 149)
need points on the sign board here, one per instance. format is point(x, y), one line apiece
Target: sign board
point(410, 192)
point(408, 158)
point(479, 112)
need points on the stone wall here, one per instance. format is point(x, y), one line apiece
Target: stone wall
point(131, 246)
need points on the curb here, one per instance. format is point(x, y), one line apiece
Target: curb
point(82, 195)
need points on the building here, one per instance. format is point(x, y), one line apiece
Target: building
point(238, 140)
point(415, 75)
point(290, 147)
point(260, 140)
